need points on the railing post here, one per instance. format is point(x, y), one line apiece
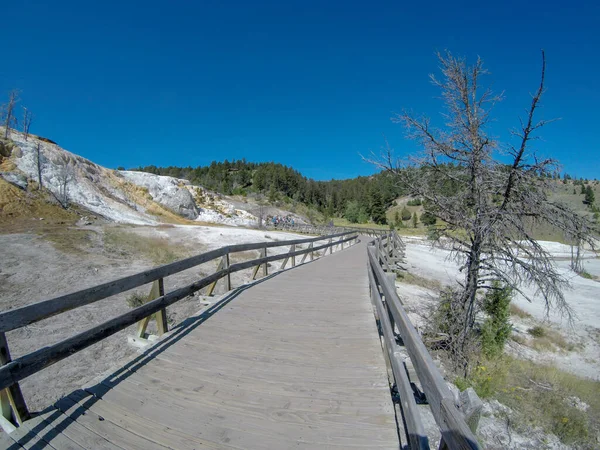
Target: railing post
point(287, 258)
point(266, 264)
point(161, 316)
point(228, 276)
point(211, 286)
point(292, 250)
point(12, 403)
point(330, 246)
point(158, 290)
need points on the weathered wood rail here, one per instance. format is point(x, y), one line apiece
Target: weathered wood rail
point(325, 229)
point(385, 255)
point(13, 407)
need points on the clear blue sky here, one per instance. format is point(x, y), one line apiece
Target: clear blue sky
point(306, 83)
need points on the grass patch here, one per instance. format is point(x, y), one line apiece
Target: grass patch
point(586, 275)
point(521, 313)
point(544, 339)
point(541, 396)
point(21, 210)
point(68, 240)
point(423, 231)
point(123, 243)
point(411, 278)
point(537, 331)
point(341, 222)
point(519, 339)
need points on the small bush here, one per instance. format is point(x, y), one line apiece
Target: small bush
point(414, 202)
point(405, 214)
point(428, 219)
point(537, 331)
point(136, 299)
point(496, 328)
point(586, 275)
point(49, 141)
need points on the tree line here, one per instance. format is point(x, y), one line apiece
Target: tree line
point(358, 199)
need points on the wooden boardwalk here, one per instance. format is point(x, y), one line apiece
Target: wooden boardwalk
point(292, 361)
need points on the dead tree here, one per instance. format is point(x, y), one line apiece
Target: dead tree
point(65, 176)
point(27, 118)
point(260, 211)
point(38, 164)
point(9, 117)
point(486, 204)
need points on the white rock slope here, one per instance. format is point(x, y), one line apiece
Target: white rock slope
point(120, 196)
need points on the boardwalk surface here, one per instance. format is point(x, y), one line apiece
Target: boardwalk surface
point(293, 361)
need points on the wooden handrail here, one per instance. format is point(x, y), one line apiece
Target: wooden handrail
point(313, 229)
point(26, 365)
point(417, 438)
point(456, 434)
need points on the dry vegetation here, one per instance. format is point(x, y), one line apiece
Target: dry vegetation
point(427, 283)
point(519, 312)
point(128, 244)
point(24, 210)
point(541, 396)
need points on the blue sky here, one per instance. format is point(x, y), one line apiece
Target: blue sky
point(309, 84)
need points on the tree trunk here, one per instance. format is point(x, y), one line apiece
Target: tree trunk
point(39, 167)
point(469, 297)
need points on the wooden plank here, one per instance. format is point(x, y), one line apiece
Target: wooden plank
point(19, 317)
point(22, 437)
point(97, 424)
point(152, 430)
point(48, 430)
point(7, 443)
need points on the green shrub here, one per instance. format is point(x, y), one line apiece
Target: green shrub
point(537, 331)
point(496, 328)
point(355, 213)
point(405, 214)
point(587, 275)
point(428, 219)
point(414, 202)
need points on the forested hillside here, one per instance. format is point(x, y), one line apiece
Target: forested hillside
point(359, 199)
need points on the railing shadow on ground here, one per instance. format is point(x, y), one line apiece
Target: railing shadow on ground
point(58, 424)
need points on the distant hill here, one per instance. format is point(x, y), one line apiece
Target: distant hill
point(280, 184)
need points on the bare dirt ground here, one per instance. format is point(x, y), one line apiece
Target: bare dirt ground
point(37, 266)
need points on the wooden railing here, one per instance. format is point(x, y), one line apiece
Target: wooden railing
point(13, 407)
point(324, 229)
point(385, 258)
